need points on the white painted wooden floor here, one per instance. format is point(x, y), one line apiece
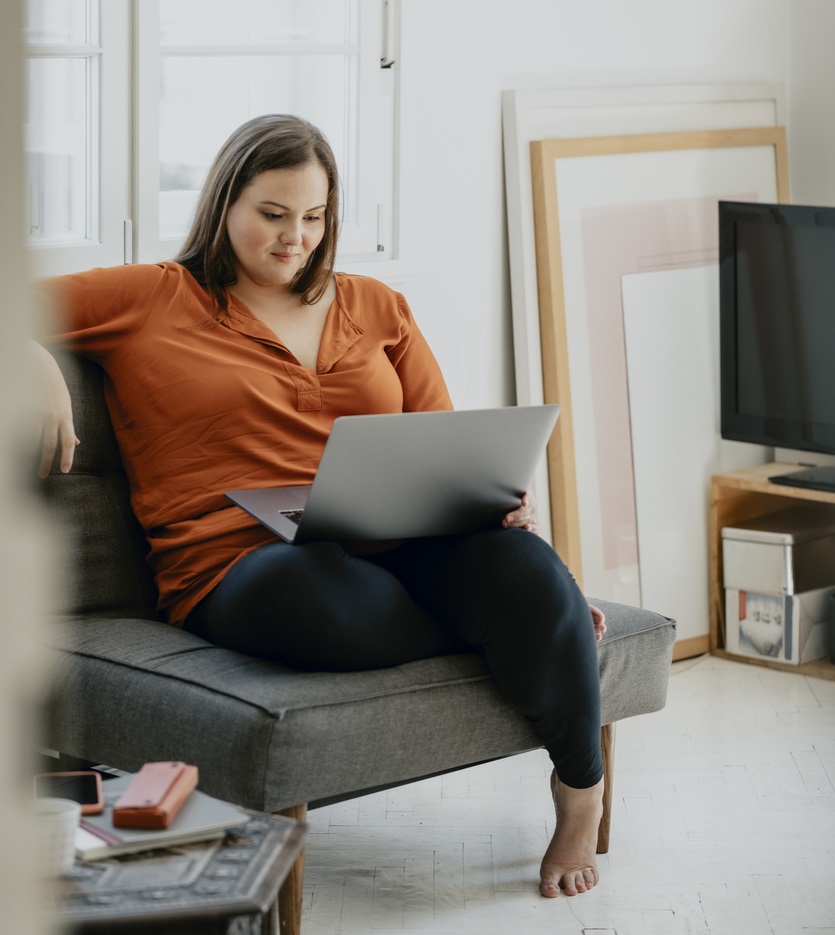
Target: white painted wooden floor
point(723, 823)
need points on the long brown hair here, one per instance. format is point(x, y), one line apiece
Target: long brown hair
point(272, 141)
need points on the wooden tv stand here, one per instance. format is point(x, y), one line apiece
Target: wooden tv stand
point(741, 495)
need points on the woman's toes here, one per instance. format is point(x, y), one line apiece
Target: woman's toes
point(572, 883)
point(577, 885)
point(549, 889)
point(571, 886)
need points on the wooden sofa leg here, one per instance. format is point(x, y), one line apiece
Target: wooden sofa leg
point(607, 743)
point(290, 894)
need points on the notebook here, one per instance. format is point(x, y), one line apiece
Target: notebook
point(201, 818)
point(410, 474)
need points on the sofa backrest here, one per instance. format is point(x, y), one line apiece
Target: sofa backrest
point(105, 573)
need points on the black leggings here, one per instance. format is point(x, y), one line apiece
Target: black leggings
point(504, 593)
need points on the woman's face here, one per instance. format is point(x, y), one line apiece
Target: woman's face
point(277, 222)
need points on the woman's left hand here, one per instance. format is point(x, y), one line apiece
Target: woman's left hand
point(524, 516)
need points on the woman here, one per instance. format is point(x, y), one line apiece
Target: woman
point(226, 369)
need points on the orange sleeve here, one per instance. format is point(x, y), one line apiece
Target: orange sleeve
point(424, 387)
point(95, 311)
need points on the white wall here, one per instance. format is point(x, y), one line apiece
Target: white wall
point(812, 102)
point(457, 57)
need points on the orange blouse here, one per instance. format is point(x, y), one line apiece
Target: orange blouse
point(199, 408)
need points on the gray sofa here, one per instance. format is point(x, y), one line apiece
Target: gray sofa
point(127, 688)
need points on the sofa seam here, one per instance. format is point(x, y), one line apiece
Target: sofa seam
point(283, 711)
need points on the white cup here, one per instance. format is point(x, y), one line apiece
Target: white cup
point(55, 822)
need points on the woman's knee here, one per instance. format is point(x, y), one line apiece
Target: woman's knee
point(523, 595)
point(526, 568)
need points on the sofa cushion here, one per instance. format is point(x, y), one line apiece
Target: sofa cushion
point(91, 517)
point(90, 512)
point(267, 737)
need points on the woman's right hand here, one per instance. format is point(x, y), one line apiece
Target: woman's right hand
point(57, 430)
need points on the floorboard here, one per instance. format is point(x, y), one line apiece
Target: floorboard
point(723, 823)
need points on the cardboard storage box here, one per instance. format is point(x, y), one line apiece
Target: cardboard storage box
point(790, 628)
point(788, 552)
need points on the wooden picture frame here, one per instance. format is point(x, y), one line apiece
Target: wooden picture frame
point(590, 181)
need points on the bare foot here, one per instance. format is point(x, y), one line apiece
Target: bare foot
point(569, 864)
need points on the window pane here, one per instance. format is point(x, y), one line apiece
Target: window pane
point(57, 149)
point(232, 22)
point(54, 22)
point(203, 100)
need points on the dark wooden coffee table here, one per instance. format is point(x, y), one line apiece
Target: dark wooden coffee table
point(213, 888)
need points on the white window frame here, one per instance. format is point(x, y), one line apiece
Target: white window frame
point(108, 100)
point(125, 123)
point(369, 235)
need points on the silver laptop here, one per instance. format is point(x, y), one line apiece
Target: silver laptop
point(410, 474)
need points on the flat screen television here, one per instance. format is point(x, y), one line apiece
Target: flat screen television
point(777, 331)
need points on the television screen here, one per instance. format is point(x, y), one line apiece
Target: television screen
point(777, 325)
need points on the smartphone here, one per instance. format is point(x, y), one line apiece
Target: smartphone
point(82, 786)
